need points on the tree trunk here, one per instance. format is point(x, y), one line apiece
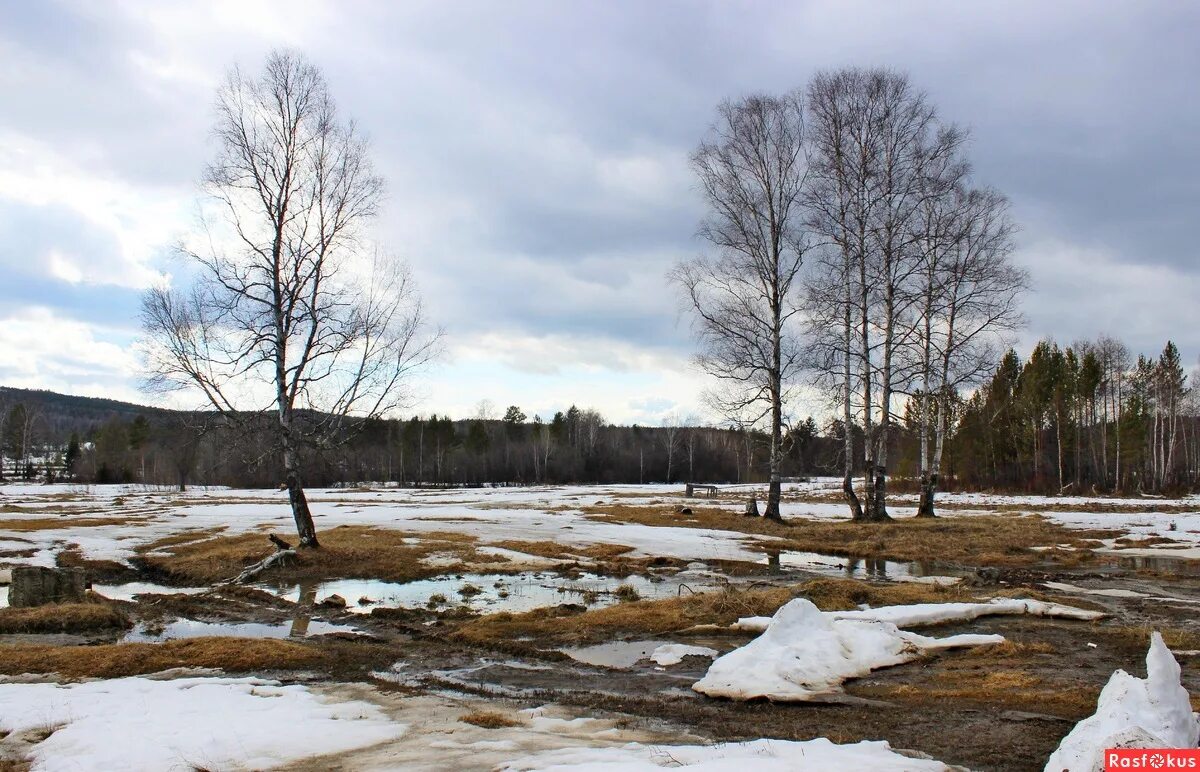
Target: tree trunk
point(300, 512)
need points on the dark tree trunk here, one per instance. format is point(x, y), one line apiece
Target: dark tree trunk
point(928, 489)
point(300, 512)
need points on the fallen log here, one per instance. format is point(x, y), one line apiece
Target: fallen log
point(283, 553)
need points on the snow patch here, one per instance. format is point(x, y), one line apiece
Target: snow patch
point(212, 723)
point(805, 653)
point(673, 653)
point(1150, 712)
point(759, 755)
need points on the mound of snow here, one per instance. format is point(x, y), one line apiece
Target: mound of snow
point(805, 653)
point(759, 755)
point(1150, 712)
point(918, 614)
point(209, 723)
point(673, 653)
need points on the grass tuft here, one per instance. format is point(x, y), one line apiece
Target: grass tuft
point(489, 719)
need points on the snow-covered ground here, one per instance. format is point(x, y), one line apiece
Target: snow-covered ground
point(140, 724)
point(142, 515)
point(491, 514)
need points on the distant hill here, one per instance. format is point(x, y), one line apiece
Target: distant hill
point(61, 414)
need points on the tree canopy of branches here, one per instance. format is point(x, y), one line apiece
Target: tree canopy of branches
point(912, 282)
point(292, 309)
point(745, 296)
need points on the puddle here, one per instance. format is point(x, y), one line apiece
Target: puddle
point(191, 628)
point(855, 568)
point(615, 654)
point(128, 590)
point(626, 654)
point(1160, 563)
point(486, 592)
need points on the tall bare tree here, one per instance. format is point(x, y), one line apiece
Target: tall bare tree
point(746, 296)
point(877, 142)
point(291, 310)
point(969, 302)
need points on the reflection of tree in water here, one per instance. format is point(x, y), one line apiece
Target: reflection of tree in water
point(304, 606)
point(875, 568)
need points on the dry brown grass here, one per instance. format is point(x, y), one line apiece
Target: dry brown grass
point(1002, 540)
point(73, 558)
point(645, 617)
point(180, 538)
point(554, 550)
point(1008, 676)
point(15, 765)
point(53, 523)
point(63, 618)
point(346, 551)
point(234, 655)
point(1137, 637)
point(489, 719)
point(846, 594)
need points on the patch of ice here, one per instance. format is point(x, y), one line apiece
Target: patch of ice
point(212, 723)
point(936, 613)
point(673, 653)
point(760, 755)
point(805, 653)
point(1150, 712)
point(919, 614)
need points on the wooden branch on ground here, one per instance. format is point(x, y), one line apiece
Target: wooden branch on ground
point(283, 553)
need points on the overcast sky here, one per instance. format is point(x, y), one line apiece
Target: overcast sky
point(536, 162)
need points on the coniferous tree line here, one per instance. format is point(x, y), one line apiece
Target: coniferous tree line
point(1084, 418)
point(575, 446)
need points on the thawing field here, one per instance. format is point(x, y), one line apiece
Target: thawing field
point(546, 627)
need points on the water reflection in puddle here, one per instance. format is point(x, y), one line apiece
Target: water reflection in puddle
point(1165, 564)
point(854, 568)
point(485, 592)
point(128, 590)
point(300, 627)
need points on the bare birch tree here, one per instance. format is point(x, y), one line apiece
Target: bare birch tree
point(746, 296)
point(876, 143)
point(291, 311)
point(969, 301)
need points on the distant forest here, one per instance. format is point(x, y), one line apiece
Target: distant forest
point(1084, 418)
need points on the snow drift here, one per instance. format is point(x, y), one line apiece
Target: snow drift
point(760, 755)
point(1150, 712)
point(215, 723)
point(919, 614)
point(805, 653)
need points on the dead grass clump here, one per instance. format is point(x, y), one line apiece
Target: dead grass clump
point(176, 539)
point(556, 551)
point(346, 551)
point(63, 618)
point(1003, 540)
point(643, 617)
point(489, 719)
point(73, 558)
point(1010, 649)
point(627, 593)
point(846, 594)
point(234, 655)
point(1138, 636)
point(50, 524)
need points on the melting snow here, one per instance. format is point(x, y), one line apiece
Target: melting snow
point(1150, 712)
